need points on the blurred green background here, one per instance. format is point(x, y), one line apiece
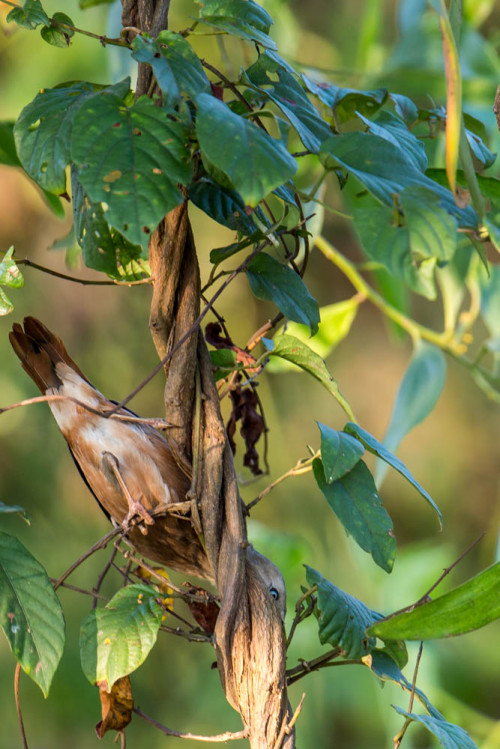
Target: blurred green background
point(454, 453)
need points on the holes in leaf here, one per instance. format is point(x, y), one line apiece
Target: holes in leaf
point(156, 170)
point(34, 125)
point(117, 124)
point(136, 131)
point(146, 230)
point(44, 166)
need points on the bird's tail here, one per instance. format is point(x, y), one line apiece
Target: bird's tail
point(40, 351)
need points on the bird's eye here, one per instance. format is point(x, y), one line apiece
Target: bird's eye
point(274, 593)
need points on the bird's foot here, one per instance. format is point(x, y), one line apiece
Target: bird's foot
point(135, 508)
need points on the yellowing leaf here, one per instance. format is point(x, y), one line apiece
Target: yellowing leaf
point(453, 98)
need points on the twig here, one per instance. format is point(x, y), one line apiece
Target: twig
point(156, 423)
point(303, 466)
point(285, 728)
point(300, 613)
point(76, 589)
point(305, 667)
point(328, 664)
point(191, 636)
point(398, 738)
point(101, 544)
point(85, 282)
point(18, 705)
point(101, 577)
point(228, 736)
point(154, 573)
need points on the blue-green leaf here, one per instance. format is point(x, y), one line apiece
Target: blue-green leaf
point(30, 613)
point(342, 619)
point(273, 281)
point(418, 393)
point(29, 16)
point(449, 735)
point(357, 504)
point(377, 448)
point(224, 205)
point(56, 35)
point(255, 164)
point(339, 452)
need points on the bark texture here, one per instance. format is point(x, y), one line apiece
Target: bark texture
point(249, 635)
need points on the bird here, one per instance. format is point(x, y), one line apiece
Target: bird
point(127, 464)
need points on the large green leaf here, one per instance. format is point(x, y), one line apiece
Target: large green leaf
point(386, 669)
point(30, 613)
point(115, 640)
point(377, 448)
point(347, 103)
point(131, 159)
point(339, 452)
point(291, 98)
point(254, 163)
point(449, 735)
point(466, 608)
point(298, 353)
point(387, 242)
point(432, 232)
point(395, 131)
point(176, 66)
point(29, 16)
point(277, 283)
point(44, 129)
point(223, 205)
point(335, 323)
point(104, 249)
point(418, 393)
point(241, 18)
point(342, 619)
point(57, 33)
point(386, 169)
point(357, 504)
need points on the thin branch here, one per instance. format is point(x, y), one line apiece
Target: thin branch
point(328, 664)
point(100, 579)
point(18, 705)
point(287, 726)
point(76, 589)
point(228, 736)
point(301, 613)
point(191, 636)
point(306, 667)
point(303, 466)
point(398, 738)
point(101, 544)
point(85, 282)
point(156, 423)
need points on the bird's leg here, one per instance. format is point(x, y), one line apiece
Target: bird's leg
point(134, 507)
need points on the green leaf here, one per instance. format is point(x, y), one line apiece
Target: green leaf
point(30, 613)
point(432, 231)
point(490, 300)
point(449, 735)
point(395, 131)
point(224, 360)
point(43, 132)
point(463, 609)
point(377, 448)
point(104, 249)
point(335, 323)
point(115, 640)
point(90, 3)
point(339, 452)
point(29, 16)
point(385, 169)
point(357, 504)
point(255, 163)
point(297, 352)
point(388, 243)
point(131, 159)
point(10, 275)
point(386, 669)
point(342, 618)
point(8, 153)
point(223, 205)
point(6, 305)
point(176, 66)
point(6, 509)
point(277, 283)
point(346, 102)
point(58, 36)
point(219, 254)
point(242, 18)
point(291, 98)
point(418, 393)
point(404, 106)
